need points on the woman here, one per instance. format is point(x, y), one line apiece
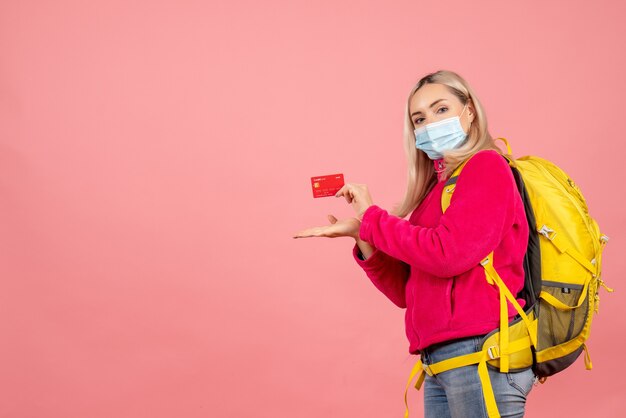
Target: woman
point(430, 264)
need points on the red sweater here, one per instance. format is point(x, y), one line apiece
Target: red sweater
point(430, 264)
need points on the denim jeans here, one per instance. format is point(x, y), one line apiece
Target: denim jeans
point(458, 392)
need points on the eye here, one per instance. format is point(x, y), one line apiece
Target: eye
point(443, 107)
point(416, 121)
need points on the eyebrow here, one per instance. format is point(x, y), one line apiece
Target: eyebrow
point(431, 105)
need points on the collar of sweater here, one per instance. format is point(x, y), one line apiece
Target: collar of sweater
point(440, 165)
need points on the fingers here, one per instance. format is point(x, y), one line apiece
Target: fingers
point(317, 231)
point(346, 191)
point(340, 191)
point(332, 219)
point(303, 234)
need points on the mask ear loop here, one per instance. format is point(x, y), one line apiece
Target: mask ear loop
point(470, 122)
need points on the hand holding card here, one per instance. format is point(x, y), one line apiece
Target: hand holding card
point(333, 185)
point(358, 195)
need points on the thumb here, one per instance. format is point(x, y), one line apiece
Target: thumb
point(332, 219)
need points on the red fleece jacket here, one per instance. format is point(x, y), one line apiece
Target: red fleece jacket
point(430, 264)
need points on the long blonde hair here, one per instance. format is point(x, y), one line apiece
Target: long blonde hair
point(421, 175)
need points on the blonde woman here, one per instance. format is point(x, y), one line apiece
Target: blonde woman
point(430, 263)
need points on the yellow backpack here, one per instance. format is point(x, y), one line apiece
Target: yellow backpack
point(562, 277)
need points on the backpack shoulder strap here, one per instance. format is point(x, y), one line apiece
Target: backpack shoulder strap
point(448, 189)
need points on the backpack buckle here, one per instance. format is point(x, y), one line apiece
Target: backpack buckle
point(493, 352)
point(547, 232)
point(427, 370)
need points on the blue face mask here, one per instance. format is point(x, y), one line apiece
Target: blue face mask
point(437, 137)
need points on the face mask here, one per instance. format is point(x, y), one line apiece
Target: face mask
point(437, 137)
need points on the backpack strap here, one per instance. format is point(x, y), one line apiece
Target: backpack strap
point(505, 294)
point(480, 358)
point(448, 188)
point(593, 267)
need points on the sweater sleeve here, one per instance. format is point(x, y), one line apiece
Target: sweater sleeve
point(386, 273)
point(481, 209)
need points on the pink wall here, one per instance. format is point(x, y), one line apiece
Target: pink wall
point(155, 159)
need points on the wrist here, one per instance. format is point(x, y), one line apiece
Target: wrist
point(356, 236)
point(360, 215)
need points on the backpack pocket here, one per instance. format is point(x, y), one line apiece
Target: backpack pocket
point(556, 325)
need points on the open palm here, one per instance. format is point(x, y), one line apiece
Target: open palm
point(348, 227)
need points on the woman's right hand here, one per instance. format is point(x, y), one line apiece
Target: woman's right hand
point(348, 227)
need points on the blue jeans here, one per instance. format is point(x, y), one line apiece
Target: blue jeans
point(458, 392)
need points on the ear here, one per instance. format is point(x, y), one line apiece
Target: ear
point(471, 111)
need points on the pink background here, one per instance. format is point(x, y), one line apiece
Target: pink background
point(155, 159)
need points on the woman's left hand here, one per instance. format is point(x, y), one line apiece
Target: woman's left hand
point(348, 227)
point(358, 195)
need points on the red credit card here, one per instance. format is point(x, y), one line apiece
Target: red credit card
point(324, 186)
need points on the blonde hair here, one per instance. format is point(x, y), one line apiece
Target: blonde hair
point(421, 173)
